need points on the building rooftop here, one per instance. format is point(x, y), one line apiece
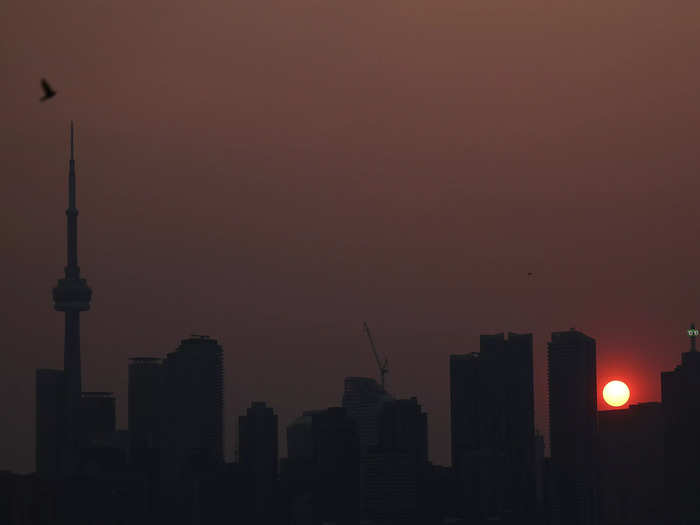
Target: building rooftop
point(98, 394)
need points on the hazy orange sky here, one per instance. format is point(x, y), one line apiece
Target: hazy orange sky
point(274, 173)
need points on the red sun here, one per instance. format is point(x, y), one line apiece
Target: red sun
point(616, 393)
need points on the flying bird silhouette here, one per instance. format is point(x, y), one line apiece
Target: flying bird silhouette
point(48, 91)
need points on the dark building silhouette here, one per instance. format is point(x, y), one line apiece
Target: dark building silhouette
point(222, 495)
point(145, 413)
point(50, 404)
point(103, 449)
point(540, 496)
point(440, 496)
point(631, 465)
point(394, 470)
point(72, 295)
point(99, 414)
point(492, 414)
point(145, 402)
point(27, 499)
point(571, 358)
point(102, 497)
point(404, 426)
point(363, 398)
point(680, 396)
point(322, 473)
point(258, 455)
point(193, 405)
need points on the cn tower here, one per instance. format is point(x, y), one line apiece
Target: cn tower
point(72, 295)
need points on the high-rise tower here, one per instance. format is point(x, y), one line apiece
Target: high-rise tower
point(257, 432)
point(493, 434)
point(573, 427)
point(193, 403)
point(72, 295)
point(680, 398)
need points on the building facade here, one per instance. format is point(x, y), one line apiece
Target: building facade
point(322, 471)
point(680, 396)
point(192, 435)
point(259, 455)
point(492, 415)
point(394, 470)
point(145, 403)
point(50, 388)
point(631, 465)
point(573, 398)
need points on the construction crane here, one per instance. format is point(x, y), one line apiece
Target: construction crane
point(383, 367)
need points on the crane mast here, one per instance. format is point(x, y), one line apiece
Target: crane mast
point(383, 367)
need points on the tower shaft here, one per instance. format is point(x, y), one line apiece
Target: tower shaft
point(71, 360)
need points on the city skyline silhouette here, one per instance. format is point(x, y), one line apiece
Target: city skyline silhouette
point(275, 175)
point(365, 460)
point(361, 354)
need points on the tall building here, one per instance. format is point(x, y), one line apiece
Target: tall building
point(145, 403)
point(193, 404)
point(403, 426)
point(573, 427)
point(49, 420)
point(362, 399)
point(492, 415)
point(680, 396)
point(395, 468)
point(102, 448)
point(71, 295)
point(258, 454)
point(464, 406)
point(323, 468)
point(540, 477)
point(631, 465)
point(98, 415)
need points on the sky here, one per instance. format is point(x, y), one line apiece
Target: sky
point(275, 173)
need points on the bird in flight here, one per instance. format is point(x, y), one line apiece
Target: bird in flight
point(48, 91)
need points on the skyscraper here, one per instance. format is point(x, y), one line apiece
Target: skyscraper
point(631, 465)
point(404, 426)
point(258, 453)
point(362, 399)
point(395, 468)
point(573, 427)
point(101, 446)
point(324, 465)
point(680, 397)
point(145, 403)
point(98, 415)
point(492, 412)
point(193, 404)
point(72, 295)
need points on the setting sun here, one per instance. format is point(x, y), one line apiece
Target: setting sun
point(616, 393)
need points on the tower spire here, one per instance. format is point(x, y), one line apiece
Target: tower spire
point(72, 268)
point(71, 141)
